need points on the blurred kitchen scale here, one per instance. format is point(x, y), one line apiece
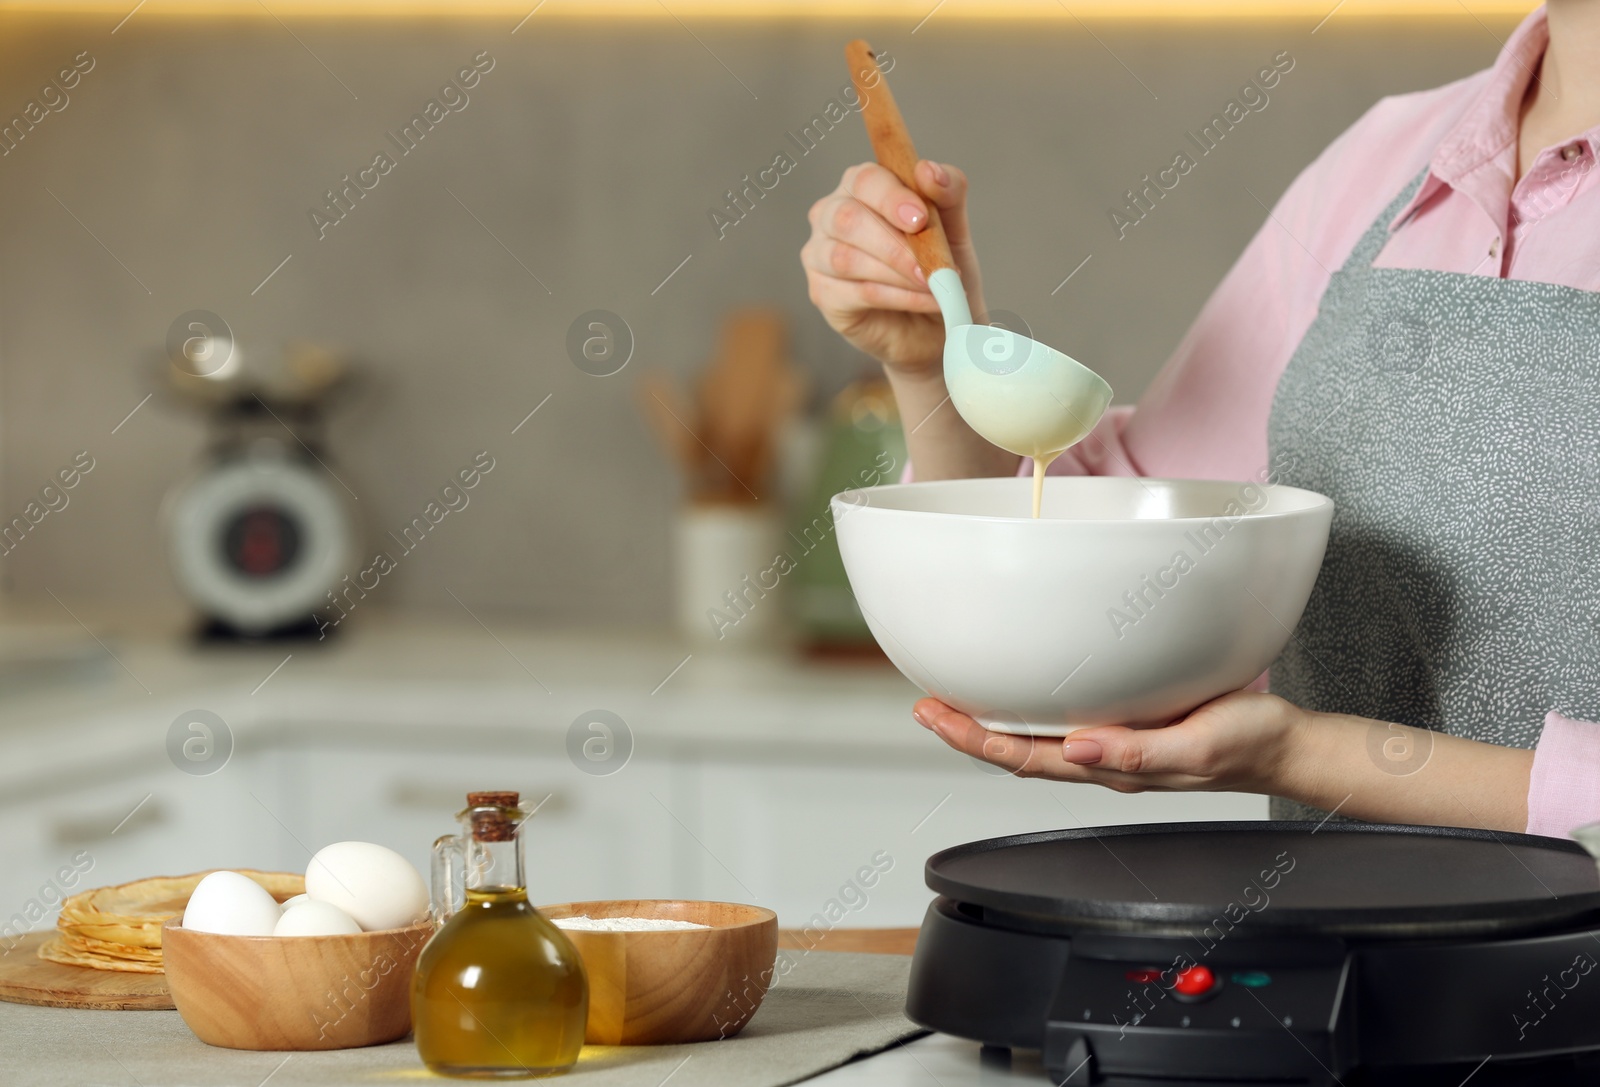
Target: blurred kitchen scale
point(259, 533)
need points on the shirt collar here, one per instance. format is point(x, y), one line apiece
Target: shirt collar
point(1487, 127)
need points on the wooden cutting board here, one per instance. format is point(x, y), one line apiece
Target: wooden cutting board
point(25, 978)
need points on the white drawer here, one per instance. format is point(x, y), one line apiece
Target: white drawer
point(593, 837)
point(796, 838)
point(155, 822)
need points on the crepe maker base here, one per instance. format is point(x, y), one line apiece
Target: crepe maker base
point(1338, 953)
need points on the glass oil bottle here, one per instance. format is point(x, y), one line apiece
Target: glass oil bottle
point(499, 991)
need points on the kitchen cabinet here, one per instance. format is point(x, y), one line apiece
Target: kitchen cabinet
point(795, 838)
point(805, 836)
point(756, 779)
point(149, 821)
point(592, 837)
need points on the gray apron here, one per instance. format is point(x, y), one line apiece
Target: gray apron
point(1455, 422)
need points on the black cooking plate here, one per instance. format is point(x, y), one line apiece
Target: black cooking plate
point(1342, 878)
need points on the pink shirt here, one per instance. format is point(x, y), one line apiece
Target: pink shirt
point(1205, 414)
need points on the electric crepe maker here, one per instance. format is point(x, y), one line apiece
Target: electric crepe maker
point(1269, 953)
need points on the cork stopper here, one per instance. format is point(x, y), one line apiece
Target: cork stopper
point(494, 824)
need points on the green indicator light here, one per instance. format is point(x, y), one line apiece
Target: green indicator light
point(1252, 979)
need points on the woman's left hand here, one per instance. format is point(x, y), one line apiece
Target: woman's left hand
point(1244, 742)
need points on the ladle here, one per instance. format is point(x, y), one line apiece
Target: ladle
point(1015, 392)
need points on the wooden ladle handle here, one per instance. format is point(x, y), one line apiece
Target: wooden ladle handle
point(891, 142)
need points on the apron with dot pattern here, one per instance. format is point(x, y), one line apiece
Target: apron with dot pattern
point(1455, 422)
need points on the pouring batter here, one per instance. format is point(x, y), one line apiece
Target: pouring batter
point(1411, 333)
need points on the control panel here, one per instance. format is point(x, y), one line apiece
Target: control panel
point(1191, 1017)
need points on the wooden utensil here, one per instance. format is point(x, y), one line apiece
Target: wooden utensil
point(726, 438)
point(25, 978)
point(1001, 382)
point(293, 992)
point(891, 143)
point(673, 419)
point(665, 987)
point(738, 389)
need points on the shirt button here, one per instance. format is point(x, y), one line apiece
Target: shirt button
point(1572, 151)
point(1494, 248)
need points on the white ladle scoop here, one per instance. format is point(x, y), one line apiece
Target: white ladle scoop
point(1016, 392)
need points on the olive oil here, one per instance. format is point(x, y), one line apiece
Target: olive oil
point(499, 991)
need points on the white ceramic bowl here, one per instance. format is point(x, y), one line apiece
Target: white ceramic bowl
point(1131, 601)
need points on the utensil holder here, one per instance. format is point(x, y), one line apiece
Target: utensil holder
point(729, 567)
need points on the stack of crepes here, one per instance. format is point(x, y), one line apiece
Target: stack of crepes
point(119, 928)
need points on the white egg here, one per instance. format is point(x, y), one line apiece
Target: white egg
point(295, 901)
point(313, 918)
point(231, 904)
point(378, 887)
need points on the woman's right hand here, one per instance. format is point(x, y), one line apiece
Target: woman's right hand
point(862, 275)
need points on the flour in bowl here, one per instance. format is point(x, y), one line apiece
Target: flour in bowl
point(625, 924)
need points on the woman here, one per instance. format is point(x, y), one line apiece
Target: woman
point(1413, 332)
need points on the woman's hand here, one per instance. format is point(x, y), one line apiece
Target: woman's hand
point(867, 284)
point(1258, 743)
point(1241, 742)
point(862, 275)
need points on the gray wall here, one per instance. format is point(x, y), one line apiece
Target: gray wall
point(594, 152)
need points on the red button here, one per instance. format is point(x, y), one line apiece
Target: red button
point(1195, 981)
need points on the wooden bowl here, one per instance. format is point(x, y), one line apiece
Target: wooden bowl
point(689, 985)
point(293, 992)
